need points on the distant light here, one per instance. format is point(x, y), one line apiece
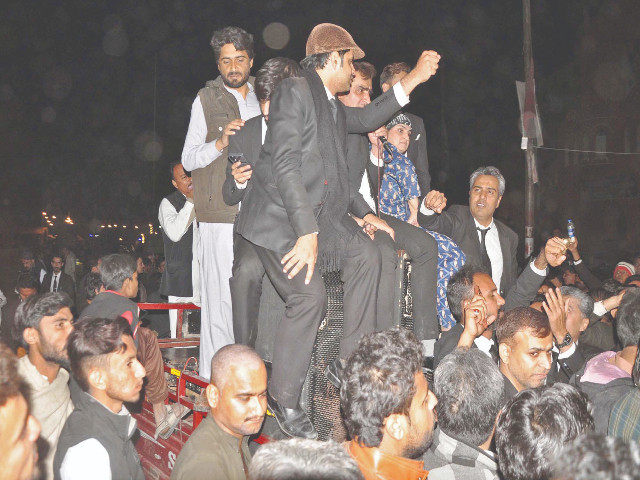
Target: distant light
point(44, 213)
point(91, 234)
point(124, 226)
point(120, 238)
point(101, 226)
point(53, 216)
point(115, 224)
point(109, 226)
point(276, 35)
point(136, 227)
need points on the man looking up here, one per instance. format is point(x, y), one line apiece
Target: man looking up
point(217, 113)
point(524, 344)
point(44, 323)
point(484, 240)
point(96, 439)
point(247, 271)
point(299, 209)
point(237, 396)
point(420, 246)
point(181, 280)
point(19, 430)
point(387, 406)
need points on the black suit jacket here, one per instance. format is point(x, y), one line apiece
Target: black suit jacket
point(66, 285)
point(572, 364)
point(457, 223)
point(248, 140)
point(289, 179)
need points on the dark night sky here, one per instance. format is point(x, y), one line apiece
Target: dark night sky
point(83, 86)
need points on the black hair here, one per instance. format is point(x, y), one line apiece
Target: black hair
point(379, 381)
point(535, 425)
point(115, 269)
point(392, 70)
point(236, 36)
point(519, 319)
point(93, 284)
point(318, 61)
point(628, 319)
point(27, 280)
point(90, 343)
point(460, 288)
point(272, 73)
point(33, 309)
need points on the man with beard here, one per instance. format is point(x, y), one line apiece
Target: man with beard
point(96, 439)
point(300, 204)
point(387, 406)
point(525, 341)
point(237, 396)
point(44, 323)
point(219, 110)
point(57, 280)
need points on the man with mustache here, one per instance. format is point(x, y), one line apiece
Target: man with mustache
point(218, 112)
point(43, 324)
point(237, 396)
point(181, 278)
point(96, 439)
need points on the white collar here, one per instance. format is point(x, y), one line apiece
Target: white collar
point(329, 96)
point(492, 225)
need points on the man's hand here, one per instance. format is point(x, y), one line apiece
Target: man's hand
point(474, 313)
point(304, 252)
point(376, 146)
point(241, 173)
point(555, 251)
point(573, 248)
point(379, 224)
point(230, 129)
point(425, 68)
point(553, 306)
point(435, 201)
point(366, 226)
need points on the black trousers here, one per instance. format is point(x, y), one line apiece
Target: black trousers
point(246, 287)
point(423, 250)
point(306, 306)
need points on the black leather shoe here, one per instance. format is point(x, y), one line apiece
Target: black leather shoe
point(292, 421)
point(333, 372)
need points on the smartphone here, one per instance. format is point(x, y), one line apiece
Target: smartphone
point(235, 157)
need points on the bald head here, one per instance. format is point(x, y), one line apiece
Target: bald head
point(229, 357)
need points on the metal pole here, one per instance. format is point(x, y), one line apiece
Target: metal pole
point(530, 153)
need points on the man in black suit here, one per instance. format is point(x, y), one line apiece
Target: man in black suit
point(420, 246)
point(299, 209)
point(58, 281)
point(247, 271)
point(484, 240)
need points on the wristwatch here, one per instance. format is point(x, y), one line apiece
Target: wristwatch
point(566, 341)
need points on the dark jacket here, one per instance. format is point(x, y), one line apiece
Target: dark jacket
point(457, 223)
point(111, 305)
point(176, 278)
point(220, 107)
point(248, 140)
point(91, 419)
point(602, 396)
point(572, 364)
point(66, 284)
point(289, 181)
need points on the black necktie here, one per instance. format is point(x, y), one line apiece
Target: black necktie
point(484, 256)
point(55, 283)
point(334, 108)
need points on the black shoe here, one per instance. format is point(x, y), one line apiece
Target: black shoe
point(292, 421)
point(333, 372)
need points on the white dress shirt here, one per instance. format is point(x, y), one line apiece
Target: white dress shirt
point(492, 241)
point(53, 281)
point(175, 224)
point(196, 152)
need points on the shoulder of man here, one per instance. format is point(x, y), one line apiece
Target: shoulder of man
point(513, 236)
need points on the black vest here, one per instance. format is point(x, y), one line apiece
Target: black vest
point(90, 419)
point(176, 278)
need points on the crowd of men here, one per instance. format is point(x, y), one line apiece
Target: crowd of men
point(285, 176)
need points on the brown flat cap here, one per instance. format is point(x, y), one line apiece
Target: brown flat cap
point(328, 37)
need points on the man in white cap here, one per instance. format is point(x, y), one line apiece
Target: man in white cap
point(300, 204)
